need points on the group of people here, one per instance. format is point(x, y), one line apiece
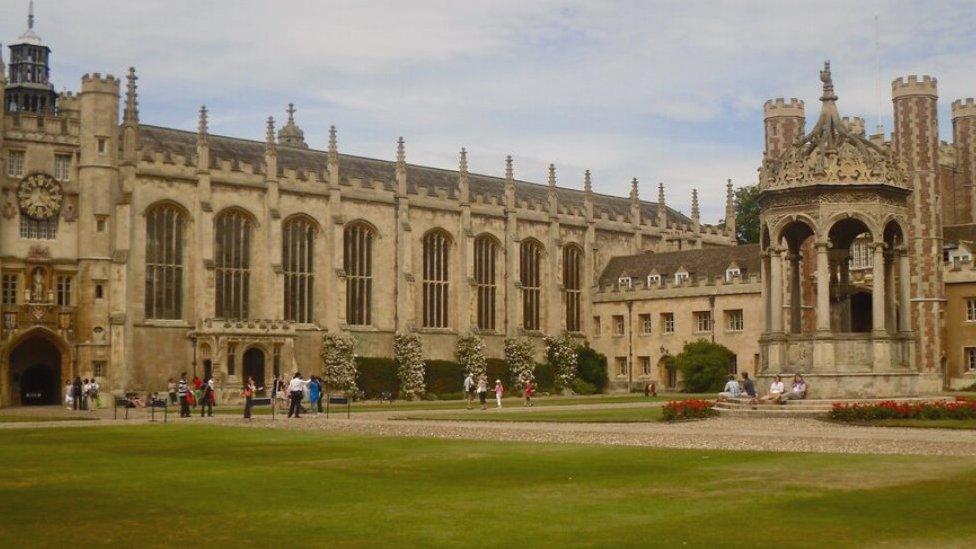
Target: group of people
point(203, 394)
point(479, 388)
point(777, 390)
point(82, 394)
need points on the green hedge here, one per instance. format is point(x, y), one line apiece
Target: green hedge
point(443, 376)
point(375, 376)
point(591, 366)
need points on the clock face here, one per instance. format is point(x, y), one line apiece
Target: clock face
point(39, 196)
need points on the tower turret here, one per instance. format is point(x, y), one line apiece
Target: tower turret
point(730, 228)
point(29, 88)
point(290, 134)
point(784, 123)
point(964, 139)
point(916, 144)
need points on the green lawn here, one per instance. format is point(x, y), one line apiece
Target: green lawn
point(600, 415)
point(30, 419)
point(186, 485)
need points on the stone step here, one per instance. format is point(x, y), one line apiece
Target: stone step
point(770, 413)
point(796, 408)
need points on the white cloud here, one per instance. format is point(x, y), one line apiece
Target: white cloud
point(666, 90)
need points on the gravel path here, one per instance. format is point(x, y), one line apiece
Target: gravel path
point(723, 433)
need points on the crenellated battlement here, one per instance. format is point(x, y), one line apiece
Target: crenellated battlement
point(854, 124)
point(95, 82)
point(962, 108)
point(913, 85)
point(774, 108)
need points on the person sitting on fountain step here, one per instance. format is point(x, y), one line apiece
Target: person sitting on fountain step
point(797, 392)
point(776, 390)
point(731, 390)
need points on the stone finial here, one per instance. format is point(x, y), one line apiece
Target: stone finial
point(269, 138)
point(30, 15)
point(660, 193)
point(333, 140)
point(463, 161)
point(202, 125)
point(730, 209)
point(552, 177)
point(634, 190)
point(587, 184)
point(509, 170)
point(695, 209)
point(291, 113)
point(828, 83)
point(131, 114)
point(401, 151)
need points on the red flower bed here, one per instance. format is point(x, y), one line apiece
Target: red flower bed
point(962, 408)
point(688, 409)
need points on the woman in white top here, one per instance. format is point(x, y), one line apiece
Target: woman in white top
point(67, 395)
point(776, 389)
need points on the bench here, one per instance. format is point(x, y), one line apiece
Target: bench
point(264, 401)
point(123, 402)
point(339, 401)
point(158, 403)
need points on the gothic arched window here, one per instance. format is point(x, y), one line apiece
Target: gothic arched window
point(164, 262)
point(232, 264)
point(573, 286)
point(530, 265)
point(357, 262)
point(298, 264)
point(436, 279)
point(485, 251)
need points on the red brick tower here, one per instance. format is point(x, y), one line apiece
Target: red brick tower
point(784, 123)
point(964, 139)
point(916, 143)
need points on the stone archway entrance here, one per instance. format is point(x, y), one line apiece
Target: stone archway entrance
point(254, 365)
point(36, 372)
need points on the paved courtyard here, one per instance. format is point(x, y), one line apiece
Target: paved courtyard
point(787, 435)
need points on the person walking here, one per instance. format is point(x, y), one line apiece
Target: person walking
point(67, 395)
point(85, 392)
point(469, 391)
point(499, 391)
point(527, 392)
point(94, 400)
point(315, 395)
point(76, 393)
point(171, 389)
point(182, 392)
point(248, 393)
point(295, 388)
point(483, 392)
point(207, 398)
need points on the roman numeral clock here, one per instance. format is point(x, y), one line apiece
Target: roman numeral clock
point(39, 196)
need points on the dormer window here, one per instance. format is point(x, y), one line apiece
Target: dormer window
point(653, 280)
point(625, 282)
point(732, 273)
point(680, 276)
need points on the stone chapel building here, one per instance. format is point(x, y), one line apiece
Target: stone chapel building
point(131, 252)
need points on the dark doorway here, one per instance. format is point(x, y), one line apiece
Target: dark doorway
point(35, 372)
point(254, 365)
point(207, 368)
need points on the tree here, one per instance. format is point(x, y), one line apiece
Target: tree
point(470, 351)
point(561, 353)
point(591, 366)
point(408, 356)
point(521, 365)
point(704, 366)
point(747, 214)
point(339, 362)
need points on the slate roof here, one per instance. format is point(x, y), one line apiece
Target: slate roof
point(704, 262)
point(170, 141)
point(953, 234)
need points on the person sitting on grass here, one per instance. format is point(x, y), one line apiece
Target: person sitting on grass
point(731, 390)
point(776, 389)
point(797, 392)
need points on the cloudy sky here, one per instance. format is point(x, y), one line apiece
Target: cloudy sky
point(661, 91)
